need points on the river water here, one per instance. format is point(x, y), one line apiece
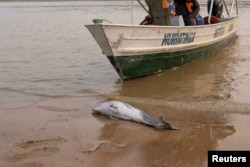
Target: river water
point(52, 73)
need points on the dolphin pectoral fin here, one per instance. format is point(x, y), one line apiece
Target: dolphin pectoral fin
point(113, 108)
point(115, 114)
point(166, 125)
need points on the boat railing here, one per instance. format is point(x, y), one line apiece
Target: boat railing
point(233, 4)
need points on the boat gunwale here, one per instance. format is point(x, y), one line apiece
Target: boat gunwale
point(231, 19)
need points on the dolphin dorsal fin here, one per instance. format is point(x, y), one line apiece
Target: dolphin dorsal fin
point(166, 125)
point(161, 118)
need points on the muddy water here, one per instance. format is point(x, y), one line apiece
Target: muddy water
point(52, 74)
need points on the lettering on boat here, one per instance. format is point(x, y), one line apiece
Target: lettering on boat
point(178, 38)
point(219, 32)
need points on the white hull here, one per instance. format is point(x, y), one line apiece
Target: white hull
point(125, 40)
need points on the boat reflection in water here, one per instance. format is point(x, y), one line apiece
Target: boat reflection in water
point(210, 78)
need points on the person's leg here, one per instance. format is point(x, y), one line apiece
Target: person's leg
point(168, 18)
point(192, 21)
point(189, 21)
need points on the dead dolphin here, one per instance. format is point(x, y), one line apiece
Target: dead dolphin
point(120, 110)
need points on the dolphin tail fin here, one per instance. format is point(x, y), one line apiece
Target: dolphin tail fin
point(165, 124)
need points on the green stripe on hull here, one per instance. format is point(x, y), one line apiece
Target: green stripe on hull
point(140, 65)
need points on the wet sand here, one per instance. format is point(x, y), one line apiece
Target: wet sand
point(75, 137)
point(51, 82)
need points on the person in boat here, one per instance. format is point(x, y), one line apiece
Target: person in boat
point(189, 9)
point(161, 11)
point(217, 8)
point(216, 13)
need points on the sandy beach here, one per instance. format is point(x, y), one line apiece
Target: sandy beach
point(56, 136)
point(53, 74)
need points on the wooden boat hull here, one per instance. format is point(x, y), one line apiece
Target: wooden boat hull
point(136, 51)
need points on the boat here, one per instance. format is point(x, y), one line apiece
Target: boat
point(141, 50)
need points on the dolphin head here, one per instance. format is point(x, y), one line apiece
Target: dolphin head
point(103, 108)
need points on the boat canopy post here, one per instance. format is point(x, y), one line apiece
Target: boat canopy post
point(210, 11)
point(132, 9)
point(226, 7)
point(143, 6)
point(231, 10)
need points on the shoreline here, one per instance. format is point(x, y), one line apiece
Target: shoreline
point(64, 138)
